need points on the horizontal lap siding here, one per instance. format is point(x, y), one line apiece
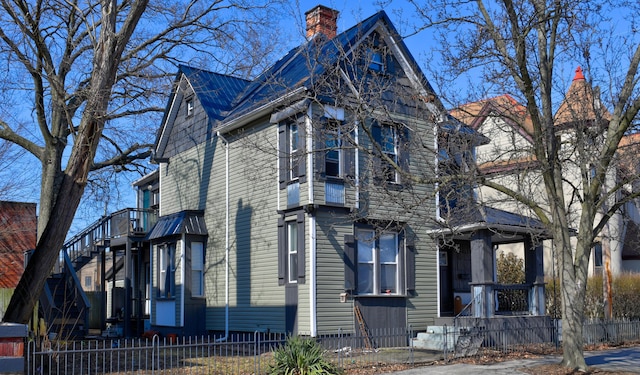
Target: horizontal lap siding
point(331, 313)
point(256, 301)
point(423, 307)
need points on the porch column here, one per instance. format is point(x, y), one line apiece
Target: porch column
point(126, 330)
point(534, 275)
point(482, 274)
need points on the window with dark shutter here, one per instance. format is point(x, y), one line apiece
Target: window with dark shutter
point(378, 263)
point(349, 264)
point(301, 247)
point(410, 265)
point(292, 151)
point(386, 138)
point(291, 250)
point(282, 249)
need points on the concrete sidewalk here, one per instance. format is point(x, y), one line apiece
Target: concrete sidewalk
point(624, 359)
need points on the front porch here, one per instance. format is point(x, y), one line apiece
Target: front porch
point(470, 299)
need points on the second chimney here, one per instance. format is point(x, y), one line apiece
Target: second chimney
point(321, 20)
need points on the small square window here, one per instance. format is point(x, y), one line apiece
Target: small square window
point(88, 282)
point(189, 107)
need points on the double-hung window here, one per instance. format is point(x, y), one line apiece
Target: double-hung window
point(377, 258)
point(166, 270)
point(294, 156)
point(197, 269)
point(292, 251)
point(386, 136)
point(333, 143)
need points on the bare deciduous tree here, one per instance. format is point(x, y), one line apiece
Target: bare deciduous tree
point(90, 74)
point(517, 47)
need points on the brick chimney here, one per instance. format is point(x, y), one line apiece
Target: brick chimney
point(322, 19)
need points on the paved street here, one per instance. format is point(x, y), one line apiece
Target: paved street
point(624, 359)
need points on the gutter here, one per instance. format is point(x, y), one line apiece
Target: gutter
point(226, 240)
point(255, 114)
point(312, 230)
point(480, 226)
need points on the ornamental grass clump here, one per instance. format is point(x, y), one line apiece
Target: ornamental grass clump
point(301, 356)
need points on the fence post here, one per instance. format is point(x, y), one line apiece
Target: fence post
point(505, 344)
point(411, 344)
point(256, 352)
point(340, 347)
point(155, 353)
point(445, 344)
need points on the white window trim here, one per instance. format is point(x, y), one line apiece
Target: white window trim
point(200, 270)
point(190, 106)
point(292, 227)
point(376, 261)
point(293, 152)
point(337, 148)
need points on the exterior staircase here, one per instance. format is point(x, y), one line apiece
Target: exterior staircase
point(64, 304)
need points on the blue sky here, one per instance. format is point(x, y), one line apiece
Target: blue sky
point(291, 27)
point(292, 33)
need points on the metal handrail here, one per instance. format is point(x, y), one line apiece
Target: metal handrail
point(137, 221)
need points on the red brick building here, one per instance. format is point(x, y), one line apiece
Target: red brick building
point(18, 230)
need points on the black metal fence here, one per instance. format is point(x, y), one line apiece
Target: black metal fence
point(252, 353)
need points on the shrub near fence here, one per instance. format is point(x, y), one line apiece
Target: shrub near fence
point(240, 354)
point(625, 297)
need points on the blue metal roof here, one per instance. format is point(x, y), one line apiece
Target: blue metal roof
point(474, 214)
point(296, 69)
point(183, 222)
point(225, 97)
point(215, 91)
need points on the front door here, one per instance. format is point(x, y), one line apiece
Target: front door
point(446, 287)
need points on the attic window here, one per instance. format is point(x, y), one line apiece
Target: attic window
point(189, 107)
point(376, 62)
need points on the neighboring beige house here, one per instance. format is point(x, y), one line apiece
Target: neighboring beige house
point(508, 159)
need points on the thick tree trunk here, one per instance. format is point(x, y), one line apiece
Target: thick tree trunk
point(572, 318)
point(46, 253)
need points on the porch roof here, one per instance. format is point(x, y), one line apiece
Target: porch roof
point(183, 222)
point(506, 226)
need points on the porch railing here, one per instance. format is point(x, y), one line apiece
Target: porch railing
point(512, 298)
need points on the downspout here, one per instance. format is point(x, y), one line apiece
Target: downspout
point(226, 239)
point(183, 271)
point(356, 161)
point(312, 229)
point(437, 185)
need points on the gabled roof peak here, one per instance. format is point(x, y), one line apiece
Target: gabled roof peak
point(579, 76)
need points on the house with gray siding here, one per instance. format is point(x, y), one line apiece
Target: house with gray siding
point(288, 203)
